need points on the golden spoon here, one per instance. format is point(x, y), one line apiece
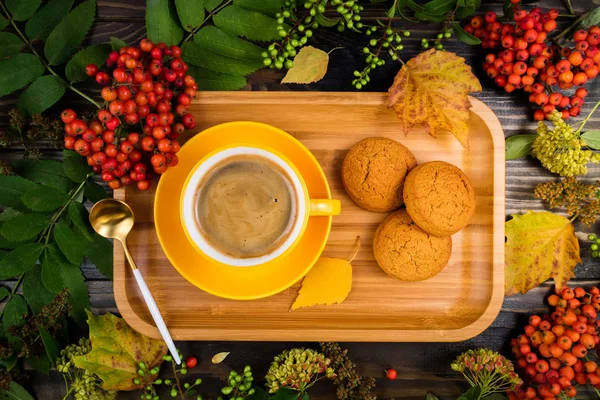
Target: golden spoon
point(114, 219)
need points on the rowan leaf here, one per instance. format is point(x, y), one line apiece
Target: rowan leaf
point(211, 4)
point(20, 260)
point(197, 55)
point(190, 13)
point(10, 44)
point(44, 198)
point(328, 282)
point(75, 69)
point(23, 227)
point(100, 252)
point(464, 36)
point(267, 7)
point(15, 392)
point(75, 166)
point(94, 192)
point(592, 139)
point(310, 65)
point(249, 24)
point(220, 42)
point(46, 18)
point(14, 311)
point(18, 71)
point(117, 43)
point(71, 243)
point(161, 22)
point(12, 188)
point(50, 345)
point(51, 275)
point(539, 246)
point(116, 351)
point(69, 33)
point(48, 172)
point(41, 95)
point(35, 293)
point(81, 218)
point(212, 80)
point(22, 9)
point(79, 297)
point(3, 22)
point(432, 90)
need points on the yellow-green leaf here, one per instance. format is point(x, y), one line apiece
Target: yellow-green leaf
point(539, 246)
point(116, 351)
point(310, 65)
point(219, 357)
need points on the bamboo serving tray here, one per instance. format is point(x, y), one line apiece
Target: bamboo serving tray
point(455, 305)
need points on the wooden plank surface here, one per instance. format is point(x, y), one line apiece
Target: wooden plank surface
point(421, 367)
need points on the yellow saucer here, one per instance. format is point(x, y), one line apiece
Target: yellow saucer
point(221, 280)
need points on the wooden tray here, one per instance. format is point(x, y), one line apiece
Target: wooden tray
point(456, 305)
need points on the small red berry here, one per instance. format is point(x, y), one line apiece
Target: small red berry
point(91, 69)
point(391, 374)
point(191, 362)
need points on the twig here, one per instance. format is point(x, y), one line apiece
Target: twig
point(587, 118)
point(210, 14)
point(570, 7)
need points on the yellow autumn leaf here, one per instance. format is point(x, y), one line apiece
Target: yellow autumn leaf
point(539, 246)
point(433, 89)
point(328, 282)
point(310, 65)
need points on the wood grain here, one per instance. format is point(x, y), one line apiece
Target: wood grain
point(455, 305)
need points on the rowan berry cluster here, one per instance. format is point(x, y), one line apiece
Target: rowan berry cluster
point(529, 61)
point(145, 82)
point(553, 355)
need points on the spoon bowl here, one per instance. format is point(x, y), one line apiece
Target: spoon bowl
point(112, 219)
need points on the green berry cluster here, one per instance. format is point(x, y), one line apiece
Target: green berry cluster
point(595, 246)
point(240, 385)
point(350, 12)
point(147, 377)
point(389, 41)
point(81, 384)
point(436, 43)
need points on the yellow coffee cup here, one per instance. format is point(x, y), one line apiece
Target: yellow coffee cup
point(302, 206)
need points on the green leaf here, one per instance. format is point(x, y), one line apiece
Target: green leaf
point(44, 198)
point(464, 36)
point(100, 253)
point(9, 245)
point(16, 392)
point(4, 293)
point(518, 146)
point(14, 311)
point(592, 18)
point(472, 394)
point(190, 12)
point(69, 33)
point(496, 396)
point(414, 6)
point(116, 351)
point(287, 394)
point(592, 139)
point(39, 363)
point(259, 394)
point(23, 227)
point(75, 166)
point(439, 7)
point(80, 299)
point(211, 80)
point(3, 22)
point(41, 95)
point(50, 345)
point(72, 244)
point(211, 4)
point(464, 12)
point(81, 218)
point(117, 43)
point(509, 10)
point(20, 260)
point(213, 39)
point(249, 24)
point(94, 192)
point(34, 291)
point(8, 213)
point(325, 21)
point(18, 71)
point(75, 70)
point(267, 7)
point(47, 172)
point(46, 19)
point(431, 396)
point(391, 11)
point(196, 55)
point(9, 44)
point(12, 188)
point(161, 22)
point(51, 276)
point(22, 9)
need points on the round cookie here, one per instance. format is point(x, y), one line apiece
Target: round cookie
point(406, 252)
point(439, 197)
point(373, 173)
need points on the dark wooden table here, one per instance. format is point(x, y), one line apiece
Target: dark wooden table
point(422, 367)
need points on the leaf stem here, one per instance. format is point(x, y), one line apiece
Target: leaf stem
point(42, 60)
point(570, 7)
point(210, 15)
point(587, 118)
point(570, 27)
point(177, 380)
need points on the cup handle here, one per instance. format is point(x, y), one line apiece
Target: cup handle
point(324, 207)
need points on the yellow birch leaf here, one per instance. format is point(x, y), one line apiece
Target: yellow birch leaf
point(432, 89)
point(219, 357)
point(328, 282)
point(310, 65)
point(539, 246)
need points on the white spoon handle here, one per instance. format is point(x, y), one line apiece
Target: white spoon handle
point(160, 323)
